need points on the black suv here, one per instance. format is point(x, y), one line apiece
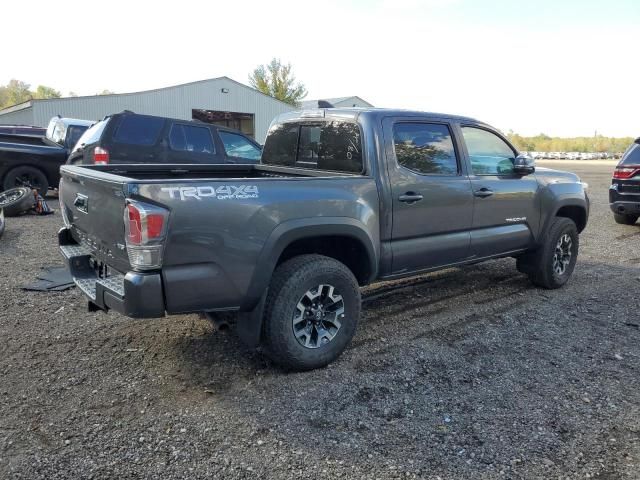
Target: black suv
point(128, 137)
point(624, 193)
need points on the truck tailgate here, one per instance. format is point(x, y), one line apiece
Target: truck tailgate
point(93, 207)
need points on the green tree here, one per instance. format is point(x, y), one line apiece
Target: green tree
point(14, 92)
point(46, 92)
point(105, 92)
point(17, 91)
point(276, 80)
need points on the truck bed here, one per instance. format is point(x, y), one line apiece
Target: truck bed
point(223, 223)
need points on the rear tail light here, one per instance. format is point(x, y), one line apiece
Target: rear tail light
point(145, 232)
point(100, 156)
point(628, 171)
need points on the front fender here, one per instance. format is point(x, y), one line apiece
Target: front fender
point(559, 195)
point(298, 229)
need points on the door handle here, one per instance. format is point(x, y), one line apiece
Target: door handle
point(483, 192)
point(410, 197)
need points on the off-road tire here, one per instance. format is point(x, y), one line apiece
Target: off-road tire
point(24, 201)
point(625, 219)
point(34, 177)
point(539, 265)
point(290, 282)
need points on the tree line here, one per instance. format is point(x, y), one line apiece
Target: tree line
point(17, 91)
point(545, 143)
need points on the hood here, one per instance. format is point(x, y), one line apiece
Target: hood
point(548, 175)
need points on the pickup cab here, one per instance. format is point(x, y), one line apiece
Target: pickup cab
point(34, 161)
point(342, 198)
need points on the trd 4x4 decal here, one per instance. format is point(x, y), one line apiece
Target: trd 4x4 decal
point(223, 192)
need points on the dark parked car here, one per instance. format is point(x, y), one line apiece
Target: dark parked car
point(128, 137)
point(35, 161)
point(624, 193)
point(23, 130)
point(341, 199)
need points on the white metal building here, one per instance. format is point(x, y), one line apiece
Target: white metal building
point(221, 101)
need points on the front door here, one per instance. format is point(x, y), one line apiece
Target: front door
point(505, 211)
point(432, 201)
point(191, 143)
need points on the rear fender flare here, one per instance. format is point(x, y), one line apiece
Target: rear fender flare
point(292, 230)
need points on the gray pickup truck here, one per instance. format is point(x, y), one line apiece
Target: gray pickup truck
point(341, 198)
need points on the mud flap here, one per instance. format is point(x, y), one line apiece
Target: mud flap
point(249, 324)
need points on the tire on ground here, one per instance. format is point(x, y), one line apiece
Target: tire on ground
point(290, 282)
point(37, 178)
point(16, 201)
point(625, 219)
point(539, 265)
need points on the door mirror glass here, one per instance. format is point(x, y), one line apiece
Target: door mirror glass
point(524, 165)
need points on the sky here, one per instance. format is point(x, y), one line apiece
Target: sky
point(561, 67)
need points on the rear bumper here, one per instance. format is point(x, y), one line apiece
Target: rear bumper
point(136, 295)
point(623, 202)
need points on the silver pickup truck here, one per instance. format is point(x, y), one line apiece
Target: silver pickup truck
point(341, 198)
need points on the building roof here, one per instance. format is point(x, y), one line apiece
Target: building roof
point(29, 103)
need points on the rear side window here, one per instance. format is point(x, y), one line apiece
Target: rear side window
point(632, 155)
point(138, 130)
point(92, 135)
point(333, 146)
point(189, 138)
point(425, 148)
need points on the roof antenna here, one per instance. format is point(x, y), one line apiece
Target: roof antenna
point(324, 104)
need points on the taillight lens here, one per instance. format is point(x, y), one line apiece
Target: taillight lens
point(100, 156)
point(145, 230)
point(134, 222)
point(628, 171)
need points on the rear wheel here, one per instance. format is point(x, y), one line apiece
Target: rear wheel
point(312, 311)
point(16, 201)
point(27, 177)
point(624, 219)
point(552, 264)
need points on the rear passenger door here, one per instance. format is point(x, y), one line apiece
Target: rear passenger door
point(505, 204)
point(191, 143)
point(431, 195)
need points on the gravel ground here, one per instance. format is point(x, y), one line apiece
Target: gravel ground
point(467, 373)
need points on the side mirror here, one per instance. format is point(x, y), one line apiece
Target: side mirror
point(524, 165)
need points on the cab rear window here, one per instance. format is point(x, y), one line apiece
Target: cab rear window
point(335, 146)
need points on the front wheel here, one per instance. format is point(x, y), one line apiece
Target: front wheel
point(312, 311)
point(552, 264)
point(624, 219)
